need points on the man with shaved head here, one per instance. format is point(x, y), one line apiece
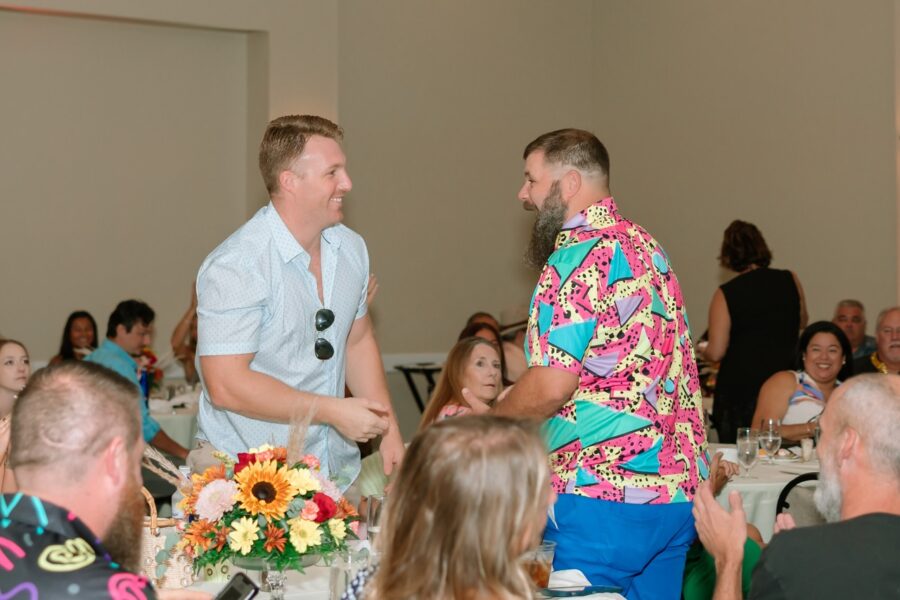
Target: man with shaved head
point(855, 554)
point(74, 529)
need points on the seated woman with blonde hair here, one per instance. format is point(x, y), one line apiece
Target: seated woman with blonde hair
point(471, 497)
point(15, 369)
point(797, 398)
point(470, 381)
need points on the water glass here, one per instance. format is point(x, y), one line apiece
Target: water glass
point(374, 511)
point(770, 438)
point(347, 563)
point(747, 451)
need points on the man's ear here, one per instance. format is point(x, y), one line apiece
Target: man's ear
point(120, 330)
point(571, 183)
point(849, 445)
point(287, 179)
point(116, 462)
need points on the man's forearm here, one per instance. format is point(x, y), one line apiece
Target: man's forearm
point(233, 386)
point(728, 580)
point(365, 374)
point(538, 394)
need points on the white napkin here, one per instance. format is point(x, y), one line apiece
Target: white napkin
point(159, 405)
point(573, 578)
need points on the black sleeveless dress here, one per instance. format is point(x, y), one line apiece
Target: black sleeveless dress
point(764, 306)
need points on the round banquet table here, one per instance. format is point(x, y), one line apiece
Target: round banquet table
point(180, 424)
point(313, 584)
point(760, 493)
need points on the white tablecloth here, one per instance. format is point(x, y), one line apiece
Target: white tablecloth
point(760, 494)
point(313, 583)
point(180, 424)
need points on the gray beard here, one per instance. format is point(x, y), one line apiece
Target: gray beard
point(547, 225)
point(828, 493)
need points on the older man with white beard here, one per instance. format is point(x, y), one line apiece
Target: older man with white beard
point(854, 555)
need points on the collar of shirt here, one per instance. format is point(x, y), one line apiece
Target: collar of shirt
point(600, 215)
point(113, 348)
point(288, 246)
point(44, 516)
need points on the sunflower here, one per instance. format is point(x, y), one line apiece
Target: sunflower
point(265, 489)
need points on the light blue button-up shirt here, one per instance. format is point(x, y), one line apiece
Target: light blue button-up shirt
point(256, 296)
point(112, 356)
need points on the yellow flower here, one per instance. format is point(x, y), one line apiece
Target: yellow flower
point(262, 448)
point(265, 489)
point(244, 532)
point(304, 534)
point(338, 529)
point(303, 480)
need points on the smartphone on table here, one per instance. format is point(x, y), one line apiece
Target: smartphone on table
point(240, 587)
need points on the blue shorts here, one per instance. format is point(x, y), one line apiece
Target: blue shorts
point(638, 547)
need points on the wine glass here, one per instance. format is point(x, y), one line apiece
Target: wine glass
point(770, 438)
point(747, 450)
point(374, 510)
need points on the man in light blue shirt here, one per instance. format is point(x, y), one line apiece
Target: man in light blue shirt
point(283, 316)
point(127, 332)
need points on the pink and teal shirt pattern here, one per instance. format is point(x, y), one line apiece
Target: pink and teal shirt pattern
point(608, 308)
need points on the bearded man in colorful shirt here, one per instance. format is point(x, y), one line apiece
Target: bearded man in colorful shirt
point(612, 371)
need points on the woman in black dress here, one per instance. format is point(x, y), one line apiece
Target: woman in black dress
point(754, 322)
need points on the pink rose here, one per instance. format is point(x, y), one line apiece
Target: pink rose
point(310, 511)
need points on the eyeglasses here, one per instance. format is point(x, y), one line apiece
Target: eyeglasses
point(324, 320)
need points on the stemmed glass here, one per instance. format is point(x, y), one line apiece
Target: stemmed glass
point(770, 438)
point(747, 449)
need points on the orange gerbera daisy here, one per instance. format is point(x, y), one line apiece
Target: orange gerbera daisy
point(221, 538)
point(275, 539)
point(345, 509)
point(198, 532)
point(264, 489)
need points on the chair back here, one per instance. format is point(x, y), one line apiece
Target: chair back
point(797, 499)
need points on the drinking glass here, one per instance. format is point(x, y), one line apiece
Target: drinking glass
point(747, 453)
point(539, 563)
point(347, 563)
point(374, 510)
point(770, 438)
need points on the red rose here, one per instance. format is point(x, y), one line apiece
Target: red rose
point(327, 507)
point(244, 460)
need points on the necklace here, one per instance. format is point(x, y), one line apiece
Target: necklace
point(882, 368)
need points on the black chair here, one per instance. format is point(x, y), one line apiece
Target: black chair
point(801, 498)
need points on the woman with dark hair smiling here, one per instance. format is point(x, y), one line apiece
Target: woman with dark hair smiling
point(797, 398)
point(79, 337)
point(754, 320)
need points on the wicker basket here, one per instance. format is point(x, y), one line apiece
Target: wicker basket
point(165, 567)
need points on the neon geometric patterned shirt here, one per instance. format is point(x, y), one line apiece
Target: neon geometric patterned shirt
point(608, 308)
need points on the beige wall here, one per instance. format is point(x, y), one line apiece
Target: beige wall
point(129, 144)
point(778, 113)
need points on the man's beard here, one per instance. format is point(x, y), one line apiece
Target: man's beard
point(547, 226)
point(828, 493)
point(123, 539)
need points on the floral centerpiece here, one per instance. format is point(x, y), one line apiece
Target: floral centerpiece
point(147, 364)
point(265, 507)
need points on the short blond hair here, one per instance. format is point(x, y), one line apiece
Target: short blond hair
point(469, 493)
point(284, 140)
